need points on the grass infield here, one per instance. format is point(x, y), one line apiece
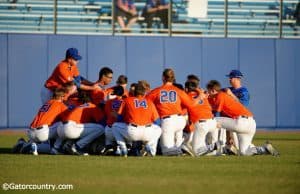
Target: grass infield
point(174, 175)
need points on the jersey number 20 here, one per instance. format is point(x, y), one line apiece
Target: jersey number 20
point(168, 96)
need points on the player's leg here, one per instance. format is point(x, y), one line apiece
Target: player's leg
point(119, 131)
point(151, 136)
point(169, 126)
point(246, 128)
point(90, 132)
point(199, 140)
point(180, 124)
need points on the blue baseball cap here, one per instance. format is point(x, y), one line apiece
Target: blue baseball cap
point(235, 73)
point(73, 53)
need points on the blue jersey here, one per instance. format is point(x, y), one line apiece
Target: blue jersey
point(242, 94)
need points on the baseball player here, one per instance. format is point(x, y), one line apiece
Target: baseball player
point(111, 109)
point(241, 94)
point(237, 91)
point(64, 72)
point(121, 81)
point(239, 120)
point(203, 120)
point(85, 122)
point(169, 100)
point(138, 114)
point(99, 96)
point(44, 125)
point(188, 131)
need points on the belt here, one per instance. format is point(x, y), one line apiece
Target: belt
point(204, 120)
point(134, 125)
point(65, 122)
point(38, 128)
point(246, 117)
point(169, 116)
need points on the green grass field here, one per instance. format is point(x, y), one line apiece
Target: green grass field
point(176, 175)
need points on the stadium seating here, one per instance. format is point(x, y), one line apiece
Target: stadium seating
point(245, 18)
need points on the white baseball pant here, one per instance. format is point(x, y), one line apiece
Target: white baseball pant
point(202, 128)
point(43, 133)
point(87, 132)
point(245, 128)
point(172, 134)
point(128, 132)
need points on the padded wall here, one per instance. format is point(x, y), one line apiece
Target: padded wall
point(270, 67)
point(3, 81)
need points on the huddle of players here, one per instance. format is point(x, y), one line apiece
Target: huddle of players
point(83, 117)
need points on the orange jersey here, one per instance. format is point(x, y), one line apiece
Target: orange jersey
point(201, 111)
point(50, 113)
point(62, 74)
point(97, 96)
point(169, 100)
point(85, 113)
point(138, 110)
point(225, 104)
point(112, 106)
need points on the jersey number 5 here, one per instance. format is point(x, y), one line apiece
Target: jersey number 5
point(168, 96)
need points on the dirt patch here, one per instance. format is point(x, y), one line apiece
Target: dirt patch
point(12, 131)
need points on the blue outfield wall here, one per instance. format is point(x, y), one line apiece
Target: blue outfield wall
point(271, 68)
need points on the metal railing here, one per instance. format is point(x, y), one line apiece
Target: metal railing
point(225, 18)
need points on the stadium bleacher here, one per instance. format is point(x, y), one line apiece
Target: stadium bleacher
point(245, 18)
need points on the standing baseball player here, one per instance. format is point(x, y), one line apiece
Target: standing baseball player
point(169, 100)
point(84, 122)
point(138, 114)
point(64, 72)
point(239, 120)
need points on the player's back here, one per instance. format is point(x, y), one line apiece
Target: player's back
point(168, 100)
point(111, 106)
point(85, 113)
point(229, 106)
point(62, 74)
point(138, 110)
point(201, 111)
point(49, 113)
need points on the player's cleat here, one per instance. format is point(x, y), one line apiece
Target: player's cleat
point(33, 149)
point(186, 149)
point(18, 146)
point(55, 151)
point(270, 149)
point(124, 152)
point(231, 150)
point(76, 151)
point(118, 151)
point(219, 148)
point(107, 150)
point(146, 151)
